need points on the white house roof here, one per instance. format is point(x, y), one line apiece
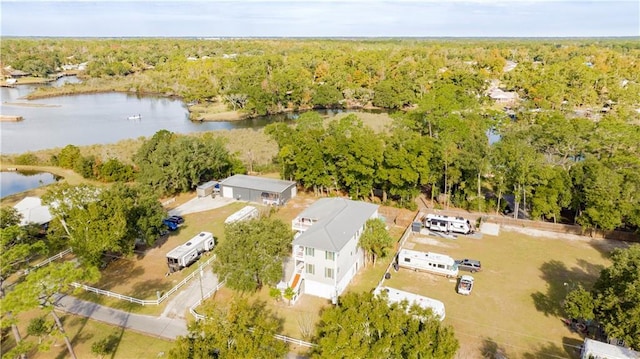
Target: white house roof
point(257, 183)
point(33, 211)
point(336, 221)
point(596, 349)
point(498, 94)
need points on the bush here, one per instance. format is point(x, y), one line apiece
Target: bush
point(27, 159)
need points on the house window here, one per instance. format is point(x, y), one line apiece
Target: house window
point(309, 251)
point(330, 256)
point(311, 269)
point(328, 273)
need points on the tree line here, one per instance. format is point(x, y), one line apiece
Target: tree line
point(261, 77)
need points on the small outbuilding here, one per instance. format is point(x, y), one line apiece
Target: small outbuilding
point(32, 211)
point(267, 191)
point(208, 188)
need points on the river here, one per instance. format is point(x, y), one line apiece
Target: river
point(96, 119)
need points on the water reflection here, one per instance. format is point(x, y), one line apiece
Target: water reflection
point(100, 118)
point(19, 181)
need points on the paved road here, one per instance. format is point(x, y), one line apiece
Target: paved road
point(163, 327)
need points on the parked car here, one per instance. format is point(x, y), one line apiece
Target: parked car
point(177, 219)
point(171, 225)
point(469, 265)
point(465, 285)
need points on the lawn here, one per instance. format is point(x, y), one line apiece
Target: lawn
point(515, 305)
point(83, 333)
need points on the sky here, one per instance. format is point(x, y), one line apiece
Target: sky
point(321, 18)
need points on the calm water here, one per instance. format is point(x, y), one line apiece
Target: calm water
point(97, 119)
point(16, 182)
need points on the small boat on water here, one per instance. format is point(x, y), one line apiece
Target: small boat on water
point(134, 117)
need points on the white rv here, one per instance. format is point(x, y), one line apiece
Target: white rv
point(440, 223)
point(396, 296)
point(427, 261)
point(185, 254)
point(245, 214)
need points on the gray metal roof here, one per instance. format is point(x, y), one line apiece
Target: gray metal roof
point(257, 183)
point(338, 219)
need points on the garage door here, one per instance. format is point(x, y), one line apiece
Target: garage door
point(227, 192)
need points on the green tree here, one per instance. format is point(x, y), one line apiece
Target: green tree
point(68, 156)
point(17, 247)
point(405, 164)
point(40, 287)
point(579, 304)
point(617, 298)
point(171, 163)
point(115, 171)
point(364, 326)
point(375, 240)
point(252, 252)
point(240, 330)
point(94, 220)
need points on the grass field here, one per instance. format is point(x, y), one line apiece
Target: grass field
point(83, 333)
point(516, 303)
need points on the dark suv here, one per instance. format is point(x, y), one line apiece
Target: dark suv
point(470, 265)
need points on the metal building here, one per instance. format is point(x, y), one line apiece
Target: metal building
point(263, 190)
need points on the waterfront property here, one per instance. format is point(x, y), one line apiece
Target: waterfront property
point(326, 253)
point(267, 191)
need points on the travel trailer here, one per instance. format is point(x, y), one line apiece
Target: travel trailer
point(245, 214)
point(396, 296)
point(428, 262)
point(436, 222)
point(185, 254)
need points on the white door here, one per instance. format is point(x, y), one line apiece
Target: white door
point(227, 192)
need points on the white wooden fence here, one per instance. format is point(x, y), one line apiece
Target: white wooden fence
point(162, 298)
point(192, 310)
point(142, 301)
point(49, 260)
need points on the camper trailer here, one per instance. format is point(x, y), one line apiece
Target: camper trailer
point(185, 254)
point(428, 262)
point(436, 222)
point(245, 214)
point(396, 296)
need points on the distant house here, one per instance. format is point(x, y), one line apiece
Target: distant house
point(325, 249)
point(593, 349)
point(17, 73)
point(267, 191)
point(33, 211)
point(504, 97)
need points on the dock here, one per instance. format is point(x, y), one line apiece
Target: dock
point(10, 118)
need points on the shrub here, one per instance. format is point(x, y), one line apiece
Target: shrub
point(27, 159)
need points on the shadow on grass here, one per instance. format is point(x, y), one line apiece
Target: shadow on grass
point(79, 338)
point(491, 350)
point(560, 281)
point(118, 272)
point(149, 289)
point(570, 349)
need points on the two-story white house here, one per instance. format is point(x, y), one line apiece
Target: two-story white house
point(325, 249)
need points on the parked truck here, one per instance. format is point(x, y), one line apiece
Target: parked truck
point(440, 223)
point(187, 253)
